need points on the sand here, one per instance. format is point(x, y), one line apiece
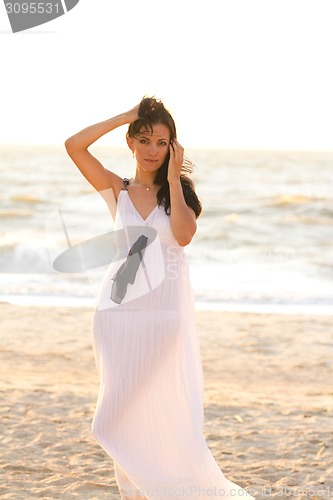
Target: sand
point(268, 403)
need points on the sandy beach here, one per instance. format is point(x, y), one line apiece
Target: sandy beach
point(268, 403)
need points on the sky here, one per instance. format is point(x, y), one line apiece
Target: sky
point(237, 74)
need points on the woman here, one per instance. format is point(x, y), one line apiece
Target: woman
point(149, 414)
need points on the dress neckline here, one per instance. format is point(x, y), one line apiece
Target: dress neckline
point(138, 213)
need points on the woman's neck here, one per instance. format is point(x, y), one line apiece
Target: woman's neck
point(145, 179)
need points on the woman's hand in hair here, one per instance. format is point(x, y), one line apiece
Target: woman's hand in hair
point(176, 161)
point(133, 114)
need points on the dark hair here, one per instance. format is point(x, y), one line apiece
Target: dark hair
point(151, 111)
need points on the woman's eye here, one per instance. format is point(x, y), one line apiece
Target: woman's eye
point(143, 141)
point(163, 143)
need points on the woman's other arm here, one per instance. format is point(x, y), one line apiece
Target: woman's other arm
point(182, 217)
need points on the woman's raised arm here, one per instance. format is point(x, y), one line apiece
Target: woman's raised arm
point(77, 148)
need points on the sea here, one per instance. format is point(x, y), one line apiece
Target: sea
point(264, 241)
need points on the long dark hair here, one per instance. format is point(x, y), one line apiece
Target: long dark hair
point(151, 111)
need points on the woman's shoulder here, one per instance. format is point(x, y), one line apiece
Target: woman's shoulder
point(121, 186)
point(125, 184)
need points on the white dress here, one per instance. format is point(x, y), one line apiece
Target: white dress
point(149, 414)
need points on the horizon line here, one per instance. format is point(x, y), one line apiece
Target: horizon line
point(197, 148)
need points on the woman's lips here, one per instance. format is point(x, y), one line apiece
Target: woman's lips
point(151, 161)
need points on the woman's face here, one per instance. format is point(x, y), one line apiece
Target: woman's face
point(150, 149)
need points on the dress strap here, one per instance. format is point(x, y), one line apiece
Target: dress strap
point(126, 183)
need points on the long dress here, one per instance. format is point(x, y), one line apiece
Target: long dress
point(149, 414)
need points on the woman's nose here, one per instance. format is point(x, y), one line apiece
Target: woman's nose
point(152, 150)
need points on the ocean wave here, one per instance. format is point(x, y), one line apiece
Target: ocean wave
point(22, 259)
point(294, 199)
point(28, 198)
point(311, 219)
point(15, 213)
